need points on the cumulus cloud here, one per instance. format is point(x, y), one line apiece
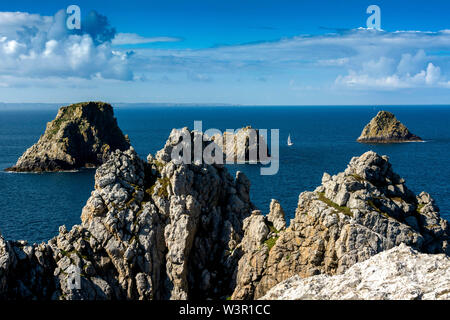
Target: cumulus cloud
point(39, 46)
point(98, 27)
point(12, 23)
point(355, 59)
point(408, 71)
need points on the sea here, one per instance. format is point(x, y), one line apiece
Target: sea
point(33, 206)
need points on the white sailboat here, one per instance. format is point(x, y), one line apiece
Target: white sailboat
point(289, 141)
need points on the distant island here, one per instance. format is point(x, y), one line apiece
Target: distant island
point(385, 128)
point(81, 136)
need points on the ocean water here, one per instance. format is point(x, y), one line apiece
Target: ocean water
point(33, 206)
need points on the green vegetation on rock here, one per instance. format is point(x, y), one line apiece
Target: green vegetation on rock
point(81, 135)
point(344, 210)
point(271, 242)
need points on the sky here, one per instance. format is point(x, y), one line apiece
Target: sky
point(246, 52)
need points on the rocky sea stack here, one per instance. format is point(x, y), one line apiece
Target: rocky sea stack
point(243, 145)
point(156, 229)
point(385, 128)
point(81, 135)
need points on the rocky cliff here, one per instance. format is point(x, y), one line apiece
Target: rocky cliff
point(81, 135)
point(155, 229)
point(150, 230)
point(350, 217)
point(385, 128)
point(401, 273)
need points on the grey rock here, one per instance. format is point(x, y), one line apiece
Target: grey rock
point(276, 215)
point(400, 273)
point(161, 230)
point(81, 135)
point(350, 218)
point(150, 230)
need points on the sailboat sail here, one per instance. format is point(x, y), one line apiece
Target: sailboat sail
point(289, 141)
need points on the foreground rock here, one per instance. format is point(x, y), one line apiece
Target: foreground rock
point(81, 135)
point(400, 273)
point(385, 128)
point(150, 230)
point(349, 218)
point(156, 229)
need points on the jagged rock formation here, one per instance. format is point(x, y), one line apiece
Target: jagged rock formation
point(157, 229)
point(81, 135)
point(239, 147)
point(243, 145)
point(349, 218)
point(150, 230)
point(276, 216)
point(401, 273)
point(385, 128)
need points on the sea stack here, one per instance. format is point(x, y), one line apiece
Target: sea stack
point(243, 145)
point(385, 128)
point(82, 135)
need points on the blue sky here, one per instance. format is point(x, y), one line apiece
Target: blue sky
point(239, 52)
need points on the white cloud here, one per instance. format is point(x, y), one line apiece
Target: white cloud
point(410, 63)
point(357, 55)
point(13, 22)
point(133, 38)
point(38, 46)
point(429, 77)
point(333, 62)
point(433, 74)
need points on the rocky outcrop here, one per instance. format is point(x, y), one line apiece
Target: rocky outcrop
point(401, 273)
point(352, 216)
point(159, 229)
point(385, 128)
point(246, 145)
point(243, 145)
point(276, 216)
point(150, 230)
point(81, 135)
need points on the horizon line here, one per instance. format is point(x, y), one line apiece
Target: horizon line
point(218, 104)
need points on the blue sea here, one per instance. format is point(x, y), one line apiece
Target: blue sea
point(33, 206)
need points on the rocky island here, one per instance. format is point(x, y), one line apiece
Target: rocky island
point(153, 229)
point(81, 135)
point(243, 145)
point(385, 128)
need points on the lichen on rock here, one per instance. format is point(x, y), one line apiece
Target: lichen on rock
point(81, 135)
point(385, 128)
